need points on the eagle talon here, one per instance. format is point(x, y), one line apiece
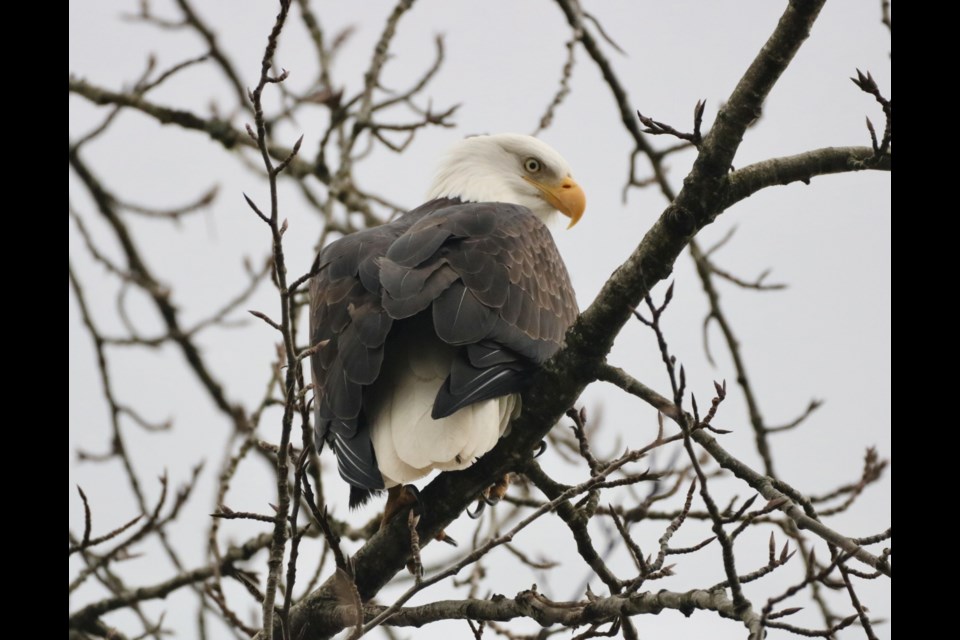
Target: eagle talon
point(490, 501)
point(491, 495)
point(540, 449)
point(443, 536)
point(414, 492)
point(479, 512)
point(416, 504)
point(398, 498)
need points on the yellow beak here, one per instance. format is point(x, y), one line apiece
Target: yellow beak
point(568, 198)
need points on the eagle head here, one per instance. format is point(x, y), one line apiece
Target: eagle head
point(514, 168)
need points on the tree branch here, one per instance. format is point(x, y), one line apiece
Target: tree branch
point(598, 610)
point(748, 180)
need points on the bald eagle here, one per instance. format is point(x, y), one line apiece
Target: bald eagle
point(428, 327)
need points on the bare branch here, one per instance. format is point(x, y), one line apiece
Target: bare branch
point(802, 167)
point(87, 541)
point(564, 89)
point(546, 612)
point(192, 19)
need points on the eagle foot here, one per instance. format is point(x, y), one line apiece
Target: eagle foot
point(491, 496)
point(402, 496)
point(398, 498)
point(495, 492)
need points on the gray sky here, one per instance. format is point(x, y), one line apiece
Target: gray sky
point(827, 336)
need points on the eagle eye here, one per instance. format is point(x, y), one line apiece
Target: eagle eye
point(532, 165)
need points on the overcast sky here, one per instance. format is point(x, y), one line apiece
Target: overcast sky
point(826, 336)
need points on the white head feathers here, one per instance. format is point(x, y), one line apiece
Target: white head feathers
point(506, 167)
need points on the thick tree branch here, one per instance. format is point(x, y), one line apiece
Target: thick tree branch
point(748, 180)
point(530, 604)
point(219, 130)
point(744, 104)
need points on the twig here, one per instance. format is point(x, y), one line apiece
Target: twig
point(657, 128)
point(733, 345)
point(191, 18)
point(868, 85)
point(174, 213)
point(564, 89)
point(87, 541)
point(275, 560)
point(813, 406)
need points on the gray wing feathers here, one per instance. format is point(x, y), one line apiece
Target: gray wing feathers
point(489, 272)
point(459, 318)
point(410, 291)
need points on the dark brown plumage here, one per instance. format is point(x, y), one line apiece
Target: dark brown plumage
point(423, 320)
point(490, 278)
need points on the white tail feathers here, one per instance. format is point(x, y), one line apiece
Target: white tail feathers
point(409, 443)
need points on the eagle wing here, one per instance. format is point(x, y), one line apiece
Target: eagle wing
point(490, 276)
